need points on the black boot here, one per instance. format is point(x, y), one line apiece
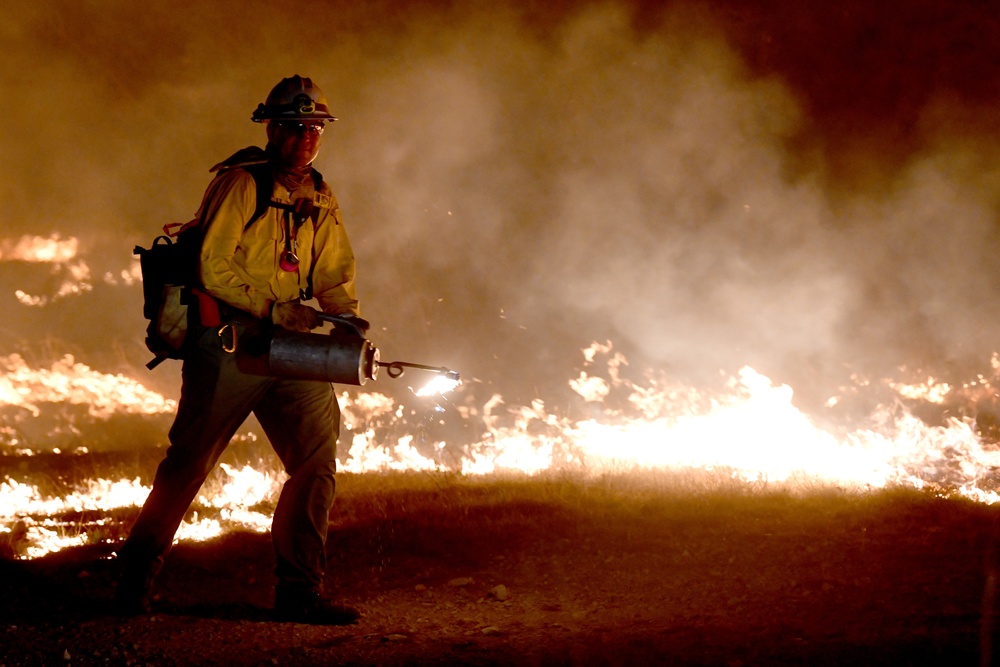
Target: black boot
point(134, 591)
point(308, 606)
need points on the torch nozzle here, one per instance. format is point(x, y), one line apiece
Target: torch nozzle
point(395, 369)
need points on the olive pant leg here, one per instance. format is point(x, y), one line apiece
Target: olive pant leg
point(302, 421)
point(216, 398)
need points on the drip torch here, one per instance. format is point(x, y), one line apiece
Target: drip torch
point(342, 356)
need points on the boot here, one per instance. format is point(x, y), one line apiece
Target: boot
point(309, 607)
point(134, 591)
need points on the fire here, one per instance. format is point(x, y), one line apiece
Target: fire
point(930, 390)
point(63, 255)
point(52, 249)
point(749, 430)
point(68, 381)
point(24, 510)
point(438, 385)
point(243, 489)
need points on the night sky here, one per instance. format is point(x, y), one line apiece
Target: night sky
point(808, 188)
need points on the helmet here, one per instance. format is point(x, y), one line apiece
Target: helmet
point(294, 98)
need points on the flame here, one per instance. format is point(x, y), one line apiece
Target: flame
point(24, 509)
point(68, 381)
point(748, 430)
point(244, 488)
point(439, 385)
point(366, 455)
point(51, 250)
point(62, 254)
point(755, 432)
point(930, 390)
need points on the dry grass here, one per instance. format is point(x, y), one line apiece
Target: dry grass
point(667, 567)
point(689, 496)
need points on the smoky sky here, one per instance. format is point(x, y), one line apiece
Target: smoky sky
point(807, 188)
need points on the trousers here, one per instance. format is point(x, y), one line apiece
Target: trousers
point(300, 418)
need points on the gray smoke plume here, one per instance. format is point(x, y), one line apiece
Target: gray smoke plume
point(519, 181)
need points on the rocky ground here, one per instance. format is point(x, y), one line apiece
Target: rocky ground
point(506, 577)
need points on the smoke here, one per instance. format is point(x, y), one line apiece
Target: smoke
point(521, 180)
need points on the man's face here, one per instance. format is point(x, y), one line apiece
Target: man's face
point(297, 142)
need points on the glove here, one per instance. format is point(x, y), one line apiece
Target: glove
point(359, 324)
point(295, 316)
point(352, 323)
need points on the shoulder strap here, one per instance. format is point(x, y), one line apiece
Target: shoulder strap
point(317, 186)
point(264, 185)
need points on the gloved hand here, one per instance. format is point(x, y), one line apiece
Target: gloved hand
point(295, 316)
point(359, 324)
point(348, 323)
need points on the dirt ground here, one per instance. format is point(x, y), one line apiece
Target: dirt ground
point(900, 578)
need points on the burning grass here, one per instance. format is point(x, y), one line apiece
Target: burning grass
point(624, 439)
point(80, 503)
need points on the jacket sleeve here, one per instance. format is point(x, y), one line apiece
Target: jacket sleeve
point(333, 264)
point(229, 202)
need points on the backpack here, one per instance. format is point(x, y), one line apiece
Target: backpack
point(169, 267)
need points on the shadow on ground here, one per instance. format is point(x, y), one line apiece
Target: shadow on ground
point(895, 578)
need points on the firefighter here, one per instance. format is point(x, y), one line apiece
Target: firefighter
point(257, 273)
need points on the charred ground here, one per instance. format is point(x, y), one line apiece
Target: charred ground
point(554, 571)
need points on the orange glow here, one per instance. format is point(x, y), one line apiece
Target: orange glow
point(52, 249)
point(750, 431)
point(63, 254)
point(68, 381)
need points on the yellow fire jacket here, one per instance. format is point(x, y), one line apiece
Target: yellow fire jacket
point(241, 267)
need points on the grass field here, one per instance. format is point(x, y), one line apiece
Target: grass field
point(668, 568)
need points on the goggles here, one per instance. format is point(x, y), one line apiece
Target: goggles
point(295, 127)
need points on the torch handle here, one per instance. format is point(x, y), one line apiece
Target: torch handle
point(342, 320)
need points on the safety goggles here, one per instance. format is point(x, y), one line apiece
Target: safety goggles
point(296, 127)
